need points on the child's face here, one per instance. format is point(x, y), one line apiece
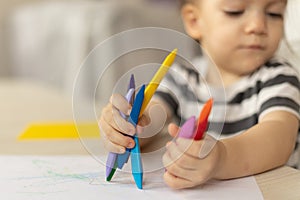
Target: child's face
point(239, 35)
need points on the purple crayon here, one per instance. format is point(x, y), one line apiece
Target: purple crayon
point(112, 159)
point(188, 128)
point(123, 158)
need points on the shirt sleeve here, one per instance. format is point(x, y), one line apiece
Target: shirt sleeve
point(280, 91)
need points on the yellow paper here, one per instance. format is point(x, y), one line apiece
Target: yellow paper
point(68, 130)
point(154, 83)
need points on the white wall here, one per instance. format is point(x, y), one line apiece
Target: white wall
point(292, 31)
point(6, 7)
point(48, 41)
point(292, 20)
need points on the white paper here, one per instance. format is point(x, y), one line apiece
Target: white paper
point(82, 177)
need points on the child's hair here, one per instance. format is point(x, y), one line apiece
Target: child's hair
point(183, 2)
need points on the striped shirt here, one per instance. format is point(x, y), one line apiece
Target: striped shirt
point(272, 87)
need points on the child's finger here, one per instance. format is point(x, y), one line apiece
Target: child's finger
point(199, 149)
point(114, 136)
point(167, 160)
point(119, 123)
point(174, 168)
point(189, 147)
point(173, 129)
point(144, 120)
point(181, 159)
point(120, 103)
point(176, 182)
point(112, 117)
point(111, 147)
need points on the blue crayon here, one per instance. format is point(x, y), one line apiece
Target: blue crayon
point(136, 162)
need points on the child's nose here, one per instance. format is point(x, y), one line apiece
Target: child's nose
point(256, 24)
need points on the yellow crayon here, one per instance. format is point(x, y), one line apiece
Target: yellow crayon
point(154, 83)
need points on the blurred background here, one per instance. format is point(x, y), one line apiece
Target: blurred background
point(46, 41)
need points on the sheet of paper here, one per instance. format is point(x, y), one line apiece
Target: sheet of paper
point(82, 177)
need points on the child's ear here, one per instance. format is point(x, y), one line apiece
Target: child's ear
point(190, 16)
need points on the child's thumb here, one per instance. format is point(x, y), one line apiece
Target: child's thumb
point(173, 129)
point(144, 120)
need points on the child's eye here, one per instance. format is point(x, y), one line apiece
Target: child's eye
point(275, 15)
point(234, 13)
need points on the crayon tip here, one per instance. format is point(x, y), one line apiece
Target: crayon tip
point(111, 174)
point(131, 82)
point(187, 129)
point(110, 171)
point(138, 178)
point(169, 59)
point(206, 110)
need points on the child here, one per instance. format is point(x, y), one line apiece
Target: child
point(263, 97)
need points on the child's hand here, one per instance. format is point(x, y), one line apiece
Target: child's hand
point(186, 166)
point(113, 126)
